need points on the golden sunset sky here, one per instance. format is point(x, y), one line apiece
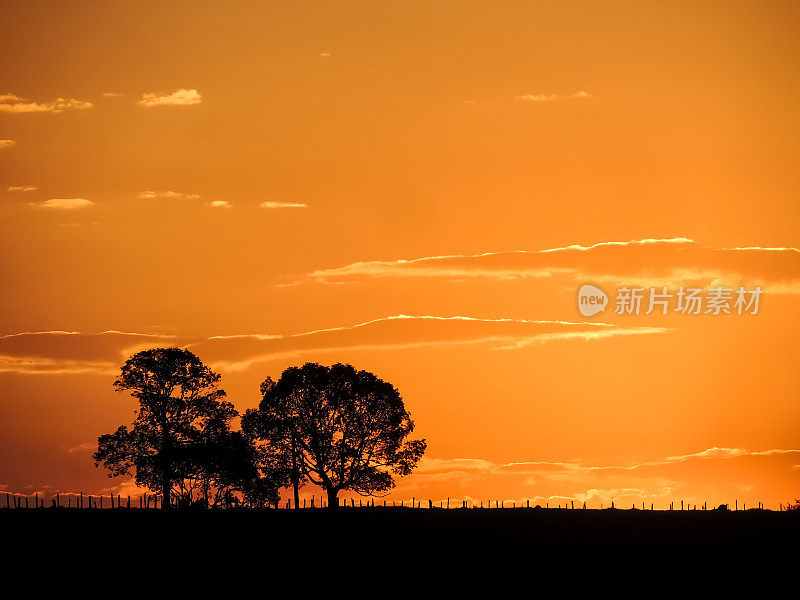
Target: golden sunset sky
point(418, 189)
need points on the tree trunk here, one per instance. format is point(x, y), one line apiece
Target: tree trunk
point(166, 491)
point(333, 500)
point(295, 475)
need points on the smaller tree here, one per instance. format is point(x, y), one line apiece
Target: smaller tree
point(339, 428)
point(180, 441)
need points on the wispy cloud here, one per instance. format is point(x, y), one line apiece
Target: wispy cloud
point(37, 365)
point(270, 204)
point(181, 97)
point(220, 204)
point(72, 352)
point(238, 352)
point(7, 144)
point(765, 249)
point(552, 97)
point(78, 225)
point(77, 352)
point(493, 265)
point(22, 188)
point(583, 335)
point(324, 54)
point(643, 242)
point(268, 336)
point(83, 448)
point(11, 103)
point(150, 195)
point(644, 262)
point(64, 203)
point(693, 476)
point(49, 332)
point(112, 95)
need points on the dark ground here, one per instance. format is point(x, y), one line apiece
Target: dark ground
point(379, 552)
point(398, 529)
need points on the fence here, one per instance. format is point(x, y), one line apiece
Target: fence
point(152, 501)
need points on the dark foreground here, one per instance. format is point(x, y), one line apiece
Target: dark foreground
point(392, 530)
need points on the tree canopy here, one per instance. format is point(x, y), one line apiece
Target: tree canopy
point(336, 427)
point(180, 443)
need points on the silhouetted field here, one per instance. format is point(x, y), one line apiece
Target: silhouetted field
point(400, 530)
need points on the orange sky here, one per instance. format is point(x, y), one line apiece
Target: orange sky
point(229, 175)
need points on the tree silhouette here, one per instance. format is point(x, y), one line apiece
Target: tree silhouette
point(180, 439)
point(274, 435)
point(339, 428)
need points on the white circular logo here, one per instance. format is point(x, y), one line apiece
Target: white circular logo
point(591, 300)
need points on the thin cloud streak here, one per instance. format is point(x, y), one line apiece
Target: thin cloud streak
point(37, 365)
point(181, 97)
point(106, 332)
point(649, 262)
point(500, 340)
point(11, 103)
point(168, 194)
point(401, 266)
point(64, 203)
point(265, 336)
point(583, 335)
point(552, 97)
point(576, 480)
point(220, 204)
point(270, 204)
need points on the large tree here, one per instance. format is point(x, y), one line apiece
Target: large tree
point(339, 428)
point(180, 442)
